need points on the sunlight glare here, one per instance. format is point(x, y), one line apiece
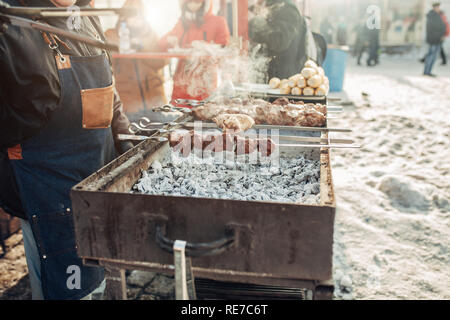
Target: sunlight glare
point(162, 15)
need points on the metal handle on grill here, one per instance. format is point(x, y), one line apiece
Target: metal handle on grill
point(198, 249)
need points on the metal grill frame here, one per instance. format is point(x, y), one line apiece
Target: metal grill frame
point(277, 244)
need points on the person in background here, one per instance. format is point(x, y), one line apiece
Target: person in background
point(139, 82)
point(373, 38)
point(361, 42)
point(436, 30)
point(341, 33)
point(195, 80)
point(447, 33)
point(281, 28)
point(327, 30)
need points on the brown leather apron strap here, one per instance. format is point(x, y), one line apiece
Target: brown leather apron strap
point(58, 39)
point(47, 38)
point(62, 61)
point(53, 41)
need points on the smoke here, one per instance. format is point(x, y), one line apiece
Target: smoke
point(245, 68)
point(200, 74)
point(259, 65)
point(211, 65)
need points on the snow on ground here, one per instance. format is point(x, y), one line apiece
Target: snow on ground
point(392, 233)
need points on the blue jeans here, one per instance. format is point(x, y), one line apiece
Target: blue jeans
point(34, 266)
point(431, 57)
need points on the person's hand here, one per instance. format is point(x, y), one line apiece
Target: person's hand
point(172, 41)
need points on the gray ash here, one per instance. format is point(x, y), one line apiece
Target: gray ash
point(295, 180)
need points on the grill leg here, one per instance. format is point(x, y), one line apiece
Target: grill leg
point(324, 290)
point(116, 285)
point(184, 278)
point(190, 280)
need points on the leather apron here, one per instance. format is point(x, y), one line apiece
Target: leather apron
point(76, 142)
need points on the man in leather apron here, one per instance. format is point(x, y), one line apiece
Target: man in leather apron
point(59, 116)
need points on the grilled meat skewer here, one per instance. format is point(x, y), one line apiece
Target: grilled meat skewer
point(282, 112)
point(186, 141)
point(234, 122)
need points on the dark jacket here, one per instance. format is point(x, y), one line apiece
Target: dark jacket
point(436, 28)
point(327, 30)
point(284, 34)
point(30, 89)
point(361, 39)
point(342, 35)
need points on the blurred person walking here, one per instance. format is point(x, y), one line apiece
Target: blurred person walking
point(341, 34)
point(436, 30)
point(327, 30)
point(373, 37)
point(140, 83)
point(447, 33)
point(195, 80)
point(361, 42)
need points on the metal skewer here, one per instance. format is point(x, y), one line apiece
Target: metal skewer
point(269, 127)
point(299, 139)
point(196, 103)
point(135, 128)
point(130, 137)
point(316, 140)
point(333, 144)
point(171, 108)
point(330, 146)
point(334, 109)
point(145, 122)
point(30, 24)
point(44, 12)
point(146, 125)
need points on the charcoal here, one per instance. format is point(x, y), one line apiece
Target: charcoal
point(292, 180)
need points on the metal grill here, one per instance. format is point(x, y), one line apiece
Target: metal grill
point(276, 247)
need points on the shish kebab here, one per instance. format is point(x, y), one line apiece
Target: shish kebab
point(187, 141)
point(280, 112)
point(233, 129)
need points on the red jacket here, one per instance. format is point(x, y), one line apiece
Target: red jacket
point(194, 80)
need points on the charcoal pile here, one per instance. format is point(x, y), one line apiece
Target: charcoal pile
point(291, 180)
